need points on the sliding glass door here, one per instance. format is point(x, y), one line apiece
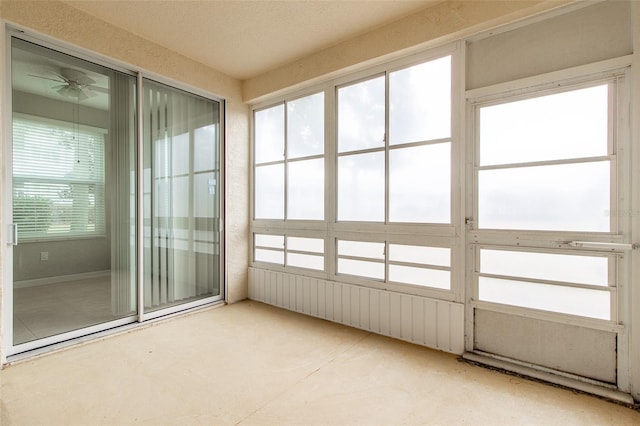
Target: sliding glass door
point(79, 258)
point(73, 194)
point(181, 196)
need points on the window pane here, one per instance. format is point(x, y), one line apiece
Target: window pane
point(269, 192)
point(438, 256)
point(361, 115)
point(361, 249)
point(305, 126)
point(361, 186)
point(315, 245)
point(420, 276)
point(566, 300)
point(305, 261)
point(361, 268)
point(305, 191)
point(420, 184)
point(569, 197)
point(546, 266)
point(420, 102)
point(207, 158)
point(269, 134)
point(58, 185)
point(275, 241)
point(270, 256)
point(560, 126)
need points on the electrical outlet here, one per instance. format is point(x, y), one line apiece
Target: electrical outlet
point(44, 255)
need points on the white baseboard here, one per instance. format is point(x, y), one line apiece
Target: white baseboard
point(60, 279)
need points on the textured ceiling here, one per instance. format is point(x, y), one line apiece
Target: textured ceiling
point(247, 38)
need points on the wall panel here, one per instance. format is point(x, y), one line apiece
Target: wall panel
point(428, 322)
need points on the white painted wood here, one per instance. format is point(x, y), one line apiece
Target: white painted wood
point(437, 324)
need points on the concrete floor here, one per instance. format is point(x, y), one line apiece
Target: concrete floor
point(251, 363)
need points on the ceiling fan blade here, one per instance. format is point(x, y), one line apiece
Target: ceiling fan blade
point(97, 89)
point(46, 78)
point(76, 76)
point(88, 92)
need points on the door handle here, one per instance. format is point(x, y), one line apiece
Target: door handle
point(13, 231)
point(603, 245)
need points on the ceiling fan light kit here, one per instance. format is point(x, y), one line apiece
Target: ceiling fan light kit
point(76, 84)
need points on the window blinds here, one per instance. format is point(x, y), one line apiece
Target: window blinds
point(58, 179)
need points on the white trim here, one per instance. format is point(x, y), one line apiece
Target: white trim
point(563, 379)
point(61, 279)
point(633, 291)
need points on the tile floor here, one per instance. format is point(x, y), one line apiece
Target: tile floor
point(50, 309)
point(250, 363)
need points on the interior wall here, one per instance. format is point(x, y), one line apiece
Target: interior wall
point(62, 22)
point(444, 22)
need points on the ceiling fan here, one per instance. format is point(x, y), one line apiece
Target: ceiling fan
point(76, 84)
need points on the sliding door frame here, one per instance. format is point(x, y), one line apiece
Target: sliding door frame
point(8, 350)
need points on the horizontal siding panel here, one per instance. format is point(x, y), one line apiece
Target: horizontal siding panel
point(437, 324)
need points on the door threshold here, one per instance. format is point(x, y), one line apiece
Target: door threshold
point(603, 390)
point(31, 354)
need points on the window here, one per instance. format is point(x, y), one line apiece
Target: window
point(289, 160)
point(415, 158)
point(390, 142)
point(550, 168)
point(570, 284)
point(300, 252)
point(397, 263)
point(58, 179)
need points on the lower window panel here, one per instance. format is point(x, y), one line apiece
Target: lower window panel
point(555, 298)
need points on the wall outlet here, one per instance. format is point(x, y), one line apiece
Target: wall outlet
point(44, 255)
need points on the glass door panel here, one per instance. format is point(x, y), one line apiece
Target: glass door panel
point(181, 197)
point(73, 193)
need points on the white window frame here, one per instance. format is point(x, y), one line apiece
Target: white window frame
point(449, 235)
point(616, 70)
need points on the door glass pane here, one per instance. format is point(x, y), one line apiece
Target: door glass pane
point(182, 250)
point(554, 298)
point(73, 194)
point(361, 187)
point(305, 126)
point(546, 266)
point(420, 184)
point(560, 126)
point(420, 102)
point(565, 197)
point(361, 112)
point(305, 191)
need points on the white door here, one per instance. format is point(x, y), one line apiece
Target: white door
point(549, 237)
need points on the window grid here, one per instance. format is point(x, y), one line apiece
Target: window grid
point(289, 159)
point(347, 262)
point(389, 148)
